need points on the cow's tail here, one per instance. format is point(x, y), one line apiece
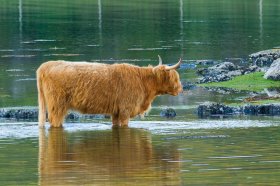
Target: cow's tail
point(41, 101)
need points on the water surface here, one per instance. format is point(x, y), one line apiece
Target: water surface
point(217, 152)
point(154, 151)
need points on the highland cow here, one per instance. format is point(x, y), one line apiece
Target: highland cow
point(120, 90)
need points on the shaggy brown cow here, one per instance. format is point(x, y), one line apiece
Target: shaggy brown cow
point(120, 90)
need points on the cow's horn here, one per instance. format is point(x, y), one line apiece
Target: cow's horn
point(174, 66)
point(159, 60)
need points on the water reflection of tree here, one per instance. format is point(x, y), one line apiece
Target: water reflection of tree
point(20, 19)
point(117, 156)
point(261, 21)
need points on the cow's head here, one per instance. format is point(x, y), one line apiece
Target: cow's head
point(168, 78)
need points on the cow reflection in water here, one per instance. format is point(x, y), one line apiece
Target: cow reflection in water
point(121, 156)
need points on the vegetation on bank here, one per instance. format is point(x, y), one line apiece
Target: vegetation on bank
point(250, 82)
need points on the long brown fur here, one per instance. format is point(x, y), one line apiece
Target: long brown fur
point(120, 90)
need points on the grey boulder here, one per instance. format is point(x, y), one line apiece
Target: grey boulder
point(273, 72)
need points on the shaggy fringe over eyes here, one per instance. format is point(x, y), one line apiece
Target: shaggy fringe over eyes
point(160, 73)
point(172, 75)
point(165, 75)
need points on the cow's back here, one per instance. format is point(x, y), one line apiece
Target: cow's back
point(91, 87)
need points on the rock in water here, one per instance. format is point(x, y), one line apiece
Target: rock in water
point(210, 109)
point(19, 113)
point(168, 112)
point(266, 109)
point(273, 71)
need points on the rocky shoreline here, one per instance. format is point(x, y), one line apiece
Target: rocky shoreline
point(224, 72)
point(267, 61)
point(31, 113)
point(204, 110)
point(265, 57)
point(217, 109)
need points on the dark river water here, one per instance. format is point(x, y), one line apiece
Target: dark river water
point(154, 151)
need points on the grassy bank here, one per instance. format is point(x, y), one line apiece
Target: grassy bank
point(251, 82)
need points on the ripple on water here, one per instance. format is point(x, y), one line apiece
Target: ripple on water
point(45, 40)
point(6, 50)
point(149, 49)
point(28, 42)
point(194, 21)
point(234, 157)
point(33, 49)
point(65, 55)
point(18, 56)
point(14, 70)
point(57, 48)
point(27, 79)
point(164, 126)
point(94, 45)
point(195, 137)
point(30, 129)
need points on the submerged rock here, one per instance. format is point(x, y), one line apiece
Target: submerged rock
point(206, 62)
point(19, 113)
point(210, 109)
point(188, 85)
point(32, 114)
point(267, 109)
point(168, 112)
point(73, 116)
point(273, 72)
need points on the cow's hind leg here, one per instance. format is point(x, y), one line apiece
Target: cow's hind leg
point(56, 115)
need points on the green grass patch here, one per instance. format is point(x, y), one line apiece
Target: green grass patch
point(251, 82)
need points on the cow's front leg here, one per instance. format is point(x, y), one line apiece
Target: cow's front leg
point(124, 122)
point(124, 118)
point(56, 114)
point(115, 120)
point(121, 119)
